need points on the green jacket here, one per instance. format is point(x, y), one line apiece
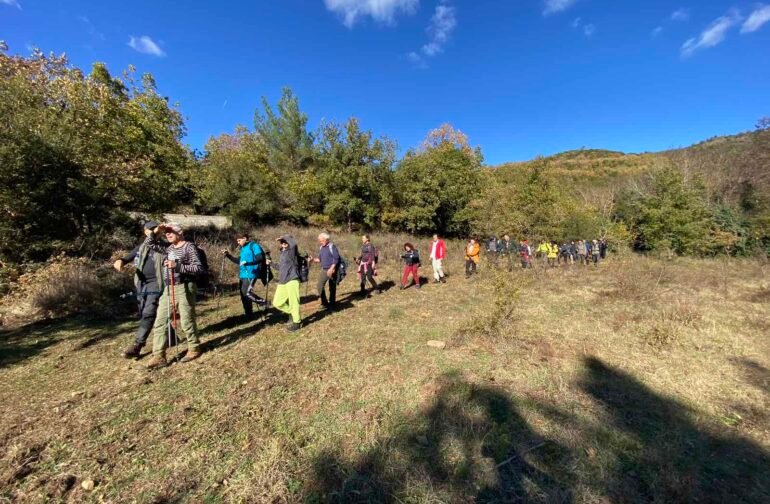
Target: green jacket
point(141, 259)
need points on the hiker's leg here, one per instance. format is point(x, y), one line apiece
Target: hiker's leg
point(248, 308)
point(370, 277)
point(185, 300)
point(416, 275)
point(292, 294)
point(332, 291)
point(404, 276)
point(281, 298)
point(321, 286)
point(467, 268)
point(160, 328)
point(147, 317)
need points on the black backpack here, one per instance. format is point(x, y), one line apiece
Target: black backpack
point(303, 267)
point(342, 269)
point(265, 271)
point(202, 278)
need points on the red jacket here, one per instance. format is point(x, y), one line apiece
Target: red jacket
point(440, 250)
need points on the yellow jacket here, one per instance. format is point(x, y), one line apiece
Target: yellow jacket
point(553, 251)
point(472, 252)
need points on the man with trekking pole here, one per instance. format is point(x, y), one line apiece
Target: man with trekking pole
point(148, 279)
point(251, 260)
point(182, 264)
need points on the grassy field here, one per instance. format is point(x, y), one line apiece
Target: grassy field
point(638, 381)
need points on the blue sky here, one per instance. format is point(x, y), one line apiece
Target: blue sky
point(520, 77)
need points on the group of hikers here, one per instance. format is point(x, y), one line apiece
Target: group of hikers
point(169, 271)
point(550, 253)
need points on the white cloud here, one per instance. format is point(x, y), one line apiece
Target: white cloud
point(442, 24)
point(576, 22)
point(12, 3)
point(145, 45)
point(382, 11)
point(713, 35)
point(759, 17)
point(681, 15)
point(589, 30)
point(657, 31)
point(91, 28)
point(555, 6)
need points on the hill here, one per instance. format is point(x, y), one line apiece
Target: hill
point(633, 381)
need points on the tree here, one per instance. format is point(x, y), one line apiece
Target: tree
point(355, 174)
point(235, 178)
point(77, 150)
point(289, 145)
point(673, 214)
point(435, 184)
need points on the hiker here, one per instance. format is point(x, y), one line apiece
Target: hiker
point(542, 252)
point(250, 259)
point(148, 279)
point(287, 297)
point(328, 258)
point(564, 254)
point(573, 252)
point(492, 249)
point(525, 253)
point(552, 253)
point(472, 251)
point(182, 265)
point(603, 248)
point(505, 249)
point(367, 265)
point(589, 251)
point(437, 256)
point(411, 257)
point(581, 252)
point(595, 251)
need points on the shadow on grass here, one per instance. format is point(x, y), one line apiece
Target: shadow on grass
point(21, 343)
point(673, 459)
point(754, 373)
point(474, 444)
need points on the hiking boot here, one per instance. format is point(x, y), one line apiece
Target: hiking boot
point(443, 279)
point(402, 287)
point(191, 355)
point(293, 327)
point(157, 362)
point(132, 351)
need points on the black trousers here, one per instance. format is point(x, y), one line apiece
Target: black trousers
point(470, 267)
point(368, 276)
point(321, 286)
point(248, 300)
point(147, 297)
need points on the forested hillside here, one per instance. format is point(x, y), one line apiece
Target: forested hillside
point(79, 150)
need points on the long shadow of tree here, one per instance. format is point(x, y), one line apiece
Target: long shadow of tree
point(673, 460)
point(471, 445)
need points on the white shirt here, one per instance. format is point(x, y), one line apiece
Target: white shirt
point(433, 250)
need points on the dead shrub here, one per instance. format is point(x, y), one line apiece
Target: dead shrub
point(683, 314)
point(661, 334)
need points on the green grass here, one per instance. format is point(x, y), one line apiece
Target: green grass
point(553, 388)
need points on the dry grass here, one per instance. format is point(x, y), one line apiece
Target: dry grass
point(607, 384)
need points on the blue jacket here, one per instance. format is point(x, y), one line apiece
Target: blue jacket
point(328, 256)
point(251, 254)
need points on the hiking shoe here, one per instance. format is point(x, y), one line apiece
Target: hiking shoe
point(157, 362)
point(402, 287)
point(132, 351)
point(443, 279)
point(293, 327)
point(191, 355)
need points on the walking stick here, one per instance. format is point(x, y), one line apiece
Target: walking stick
point(168, 314)
point(173, 308)
point(220, 288)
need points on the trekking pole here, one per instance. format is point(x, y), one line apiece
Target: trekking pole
point(221, 288)
point(267, 291)
point(168, 314)
point(173, 309)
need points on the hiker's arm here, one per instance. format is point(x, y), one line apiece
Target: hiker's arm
point(256, 262)
point(231, 257)
point(155, 244)
point(192, 263)
point(118, 265)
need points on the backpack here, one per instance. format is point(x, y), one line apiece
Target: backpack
point(303, 267)
point(342, 269)
point(265, 272)
point(202, 278)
